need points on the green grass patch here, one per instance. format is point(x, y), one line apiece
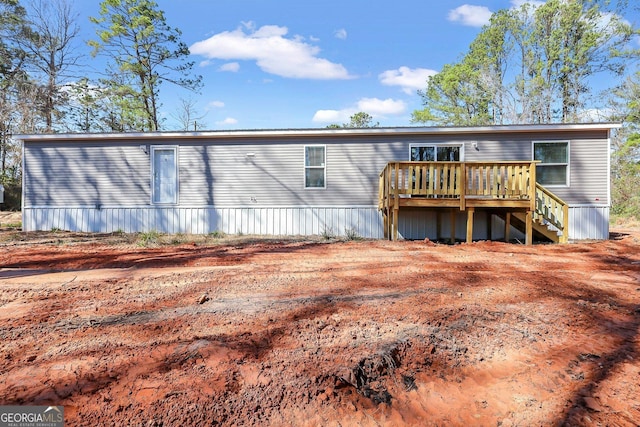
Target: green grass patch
point(148, 238)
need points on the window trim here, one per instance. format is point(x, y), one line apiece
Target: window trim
point(323, 167)
point(567, 164)
point(176, 163)
point(436, 145)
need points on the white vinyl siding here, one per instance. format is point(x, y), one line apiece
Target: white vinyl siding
point(219, 173)
point(86, 174)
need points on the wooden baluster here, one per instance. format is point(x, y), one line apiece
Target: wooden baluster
point(494, 184)
point(510, 183)
point(430, 179)
point(445, 179)
point(423, 173)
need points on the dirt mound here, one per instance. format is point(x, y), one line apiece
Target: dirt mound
point(308, 333)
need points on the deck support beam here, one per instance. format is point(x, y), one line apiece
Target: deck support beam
point(395, 223)
point(385, 222)
point(529, 228)
point(470, 212)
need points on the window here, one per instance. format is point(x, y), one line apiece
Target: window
point(554, 162)
point(436, 153)
point(314, 166)
point(164, 175)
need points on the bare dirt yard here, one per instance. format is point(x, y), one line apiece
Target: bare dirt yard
point(243, 331)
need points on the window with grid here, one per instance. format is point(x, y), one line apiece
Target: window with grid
point(314, 166)
point(553, 168)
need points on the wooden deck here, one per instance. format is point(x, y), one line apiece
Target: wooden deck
point(506, 187)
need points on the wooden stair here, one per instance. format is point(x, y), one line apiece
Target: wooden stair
point(550, 219)
point(540, 230)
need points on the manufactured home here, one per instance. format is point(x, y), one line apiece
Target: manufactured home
point(526, 182)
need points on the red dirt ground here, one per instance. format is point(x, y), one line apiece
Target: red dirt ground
point(310, 333)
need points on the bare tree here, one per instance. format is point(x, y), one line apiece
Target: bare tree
point(12, 73)
point(52, 50)
point(188, 117)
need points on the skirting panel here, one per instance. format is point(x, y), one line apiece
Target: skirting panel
point(588, 222)
point(364, 221)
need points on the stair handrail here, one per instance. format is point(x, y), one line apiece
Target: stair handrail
point(553, 210)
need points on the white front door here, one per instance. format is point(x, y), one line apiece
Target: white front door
point(164, 175)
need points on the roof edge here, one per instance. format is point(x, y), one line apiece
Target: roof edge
point(318, 132)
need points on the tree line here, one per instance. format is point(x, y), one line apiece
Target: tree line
point(538, 64)
point(43, 83)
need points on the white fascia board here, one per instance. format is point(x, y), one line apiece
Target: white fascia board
point(274, 133)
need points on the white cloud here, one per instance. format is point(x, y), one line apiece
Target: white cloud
point(230, 66)
point(273, 52)
point(205, 63)
point(340, 34)
point(609, 21)
point(381, 107)
point(227, 121)
point(470, 15)
point(477, 16)
point(410, 80)
point(216, 104)
point(332, 116)
point(595, 115)
point(373, 106)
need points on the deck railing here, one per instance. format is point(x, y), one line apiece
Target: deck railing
point(552, 210)
point(500, 180)
point(458, 180)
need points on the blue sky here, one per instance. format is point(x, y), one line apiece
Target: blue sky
point(307, 64)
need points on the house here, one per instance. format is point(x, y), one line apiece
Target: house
point(457, 183)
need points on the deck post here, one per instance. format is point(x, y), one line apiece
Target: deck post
point(565, 222)
point(470, 224)
point(463, 185)
point(507, 227)
point(529, 228)
point(532, 185)
point(453, 226)
point(395, 223)
point(396, 202)
point(385, 221)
